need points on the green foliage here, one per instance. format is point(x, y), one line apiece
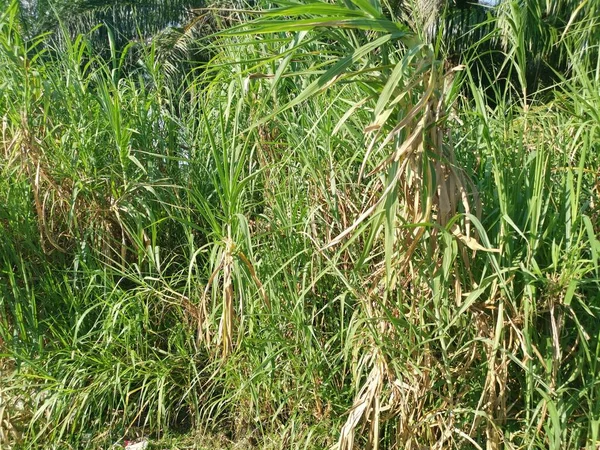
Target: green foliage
point(327, 237)
point(127, 19)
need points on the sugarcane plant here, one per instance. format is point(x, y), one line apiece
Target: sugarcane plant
point(419, 193)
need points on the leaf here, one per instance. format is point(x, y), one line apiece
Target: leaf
point(571, 291)
point(472, 243)
point(323, 9)
point(359, 23)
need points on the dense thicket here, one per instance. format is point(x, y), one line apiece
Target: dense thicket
point(329, 234)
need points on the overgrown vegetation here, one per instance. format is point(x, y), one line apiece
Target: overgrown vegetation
point(340, 231)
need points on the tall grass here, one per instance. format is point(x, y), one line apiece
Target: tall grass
point(327, 237)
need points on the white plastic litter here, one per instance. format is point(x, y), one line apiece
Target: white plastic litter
point(140, 445)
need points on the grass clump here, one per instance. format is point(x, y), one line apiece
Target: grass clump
point(327, 237)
